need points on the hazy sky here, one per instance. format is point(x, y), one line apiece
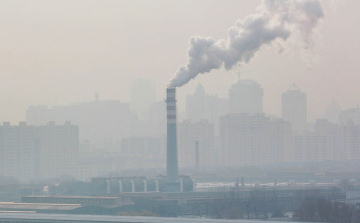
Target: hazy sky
point(62, 52)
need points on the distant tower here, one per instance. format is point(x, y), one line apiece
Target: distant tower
point(246, 96)
point(172, 172)
point(294, 108)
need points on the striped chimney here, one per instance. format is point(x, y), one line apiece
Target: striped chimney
point(172, 160)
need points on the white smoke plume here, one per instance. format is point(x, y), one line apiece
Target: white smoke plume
point(274, 20)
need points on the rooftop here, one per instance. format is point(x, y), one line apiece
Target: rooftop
point(25, 217)
point(37, 206)
point(82, 197)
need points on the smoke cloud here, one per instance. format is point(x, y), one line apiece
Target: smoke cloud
point(275, 20)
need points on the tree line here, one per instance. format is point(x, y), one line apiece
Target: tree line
point(323, 210)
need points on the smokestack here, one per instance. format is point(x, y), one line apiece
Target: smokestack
point(172, 160)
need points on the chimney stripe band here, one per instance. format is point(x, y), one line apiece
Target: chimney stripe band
point(171, 112)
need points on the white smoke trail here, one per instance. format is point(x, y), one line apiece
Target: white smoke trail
point(275, 20)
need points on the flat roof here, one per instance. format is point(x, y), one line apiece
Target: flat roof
point(24, 217)
point(82, 197)
point(37, 206)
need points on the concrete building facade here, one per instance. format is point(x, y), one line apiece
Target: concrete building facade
point(246, 96)
point(201, 106)
point(19, 148)
point(337, 142)
point(58, 149)
point(294, 108)
point(33, 153)
point(349, 135)
point(189, 133)
point(253, 139)
point(102, 122)
point(312, 147)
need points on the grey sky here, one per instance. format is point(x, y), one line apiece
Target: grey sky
point(62, 52)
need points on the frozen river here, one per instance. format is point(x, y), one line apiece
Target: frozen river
point(59, 218)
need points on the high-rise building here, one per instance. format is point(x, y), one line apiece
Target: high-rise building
point(327, 128)
point(58, 149)
point(253, 139)
point(294, 108)
point(311, 146)
point(350, 115)
point(246, 96)
point(33, 153)
point(349, 135)
point(102, 122)
point(328, 142)
point(189, 133)
point(142, 95)
point(201, 106)
point(18, 148)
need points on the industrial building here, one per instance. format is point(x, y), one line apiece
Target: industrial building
point(175, 204)
point(119, 185)
point(82, 200)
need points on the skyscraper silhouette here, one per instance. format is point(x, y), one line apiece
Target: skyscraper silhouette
point(294, 108)
point(246, 96)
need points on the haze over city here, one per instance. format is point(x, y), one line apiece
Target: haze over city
point(59, 54)
point(179, 111)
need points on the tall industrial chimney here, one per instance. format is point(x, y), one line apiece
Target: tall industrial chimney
point(172, 172)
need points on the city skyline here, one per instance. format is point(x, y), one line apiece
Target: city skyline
point(144, 141)
point(120, 110)
point(198, 105)
point(110, 72)
point(183, 111)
